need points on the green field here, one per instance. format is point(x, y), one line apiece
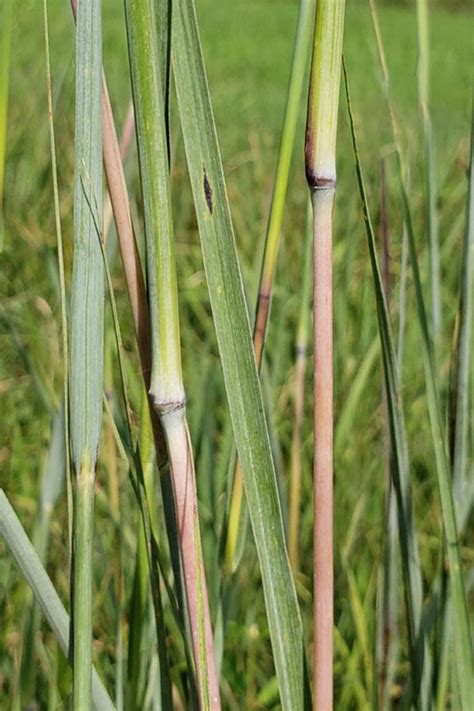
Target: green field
point(247, 47)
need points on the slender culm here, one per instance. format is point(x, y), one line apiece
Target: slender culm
point(87, 307)
point(320, 154)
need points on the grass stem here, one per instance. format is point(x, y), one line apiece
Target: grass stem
point(320, 151)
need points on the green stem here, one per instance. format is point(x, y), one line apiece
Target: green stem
point(83, 536)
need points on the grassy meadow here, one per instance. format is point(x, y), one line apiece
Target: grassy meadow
point(247, 48)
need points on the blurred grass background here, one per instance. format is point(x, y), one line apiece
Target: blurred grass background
point(247, 46)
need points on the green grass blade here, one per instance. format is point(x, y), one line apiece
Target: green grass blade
point(349, 409)
point(234, 339)
point(87, 329)
point(400, 469)
point(293, 105)
point(430, 168)
point(43, 589)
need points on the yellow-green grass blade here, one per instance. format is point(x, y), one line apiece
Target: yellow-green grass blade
point(293, 105)
point(400, 469)
point(30, 565)
point(348, 411)
point(87, 330)
point(234, 339)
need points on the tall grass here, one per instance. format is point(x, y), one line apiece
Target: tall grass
point(172, 627)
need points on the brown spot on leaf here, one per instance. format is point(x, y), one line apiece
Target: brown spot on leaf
point(207, 190)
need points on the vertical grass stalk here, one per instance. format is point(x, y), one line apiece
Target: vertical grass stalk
point(166, 384)
point(320, 154)
point(87, 306)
